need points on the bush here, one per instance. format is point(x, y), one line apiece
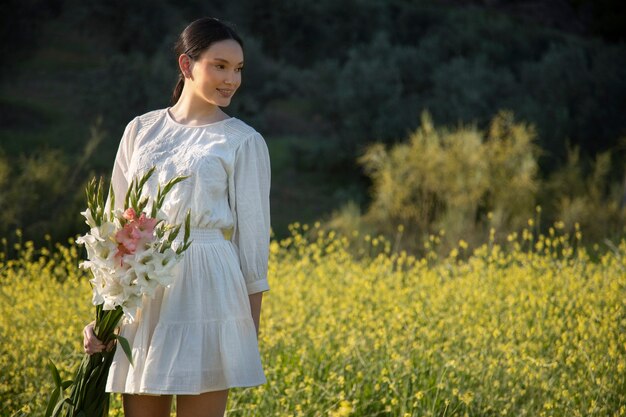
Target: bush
point(585, 195)
point(450, 180)
point(43, 193)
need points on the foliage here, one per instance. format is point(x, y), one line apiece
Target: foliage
point(349, 72)
point(530, 327)
point(467, 180)
point(464, 66)
point(125, 27)
point(22, 24)
point(365, 68)
point(441, 179)
point(131, 81)
point(31, 188)
point(587, 196)
point(41, 193)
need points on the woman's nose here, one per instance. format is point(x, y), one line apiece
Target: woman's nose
point(231, 79)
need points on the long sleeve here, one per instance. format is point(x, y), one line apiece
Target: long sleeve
point(119, 175)
point(251, 232)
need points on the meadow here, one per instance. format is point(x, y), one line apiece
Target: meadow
point(531, 326)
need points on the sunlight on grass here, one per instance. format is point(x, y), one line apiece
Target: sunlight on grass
point(531, 327)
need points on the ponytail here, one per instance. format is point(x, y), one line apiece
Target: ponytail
point(178, 90)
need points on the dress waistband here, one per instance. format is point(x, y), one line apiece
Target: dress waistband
point(201, 234)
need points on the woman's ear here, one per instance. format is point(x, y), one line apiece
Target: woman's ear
point(185, 64)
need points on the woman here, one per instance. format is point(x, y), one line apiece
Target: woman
point(198, 338)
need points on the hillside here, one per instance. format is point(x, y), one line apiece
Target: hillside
point(557, 64)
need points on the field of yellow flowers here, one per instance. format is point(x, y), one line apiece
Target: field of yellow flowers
point(528, 327)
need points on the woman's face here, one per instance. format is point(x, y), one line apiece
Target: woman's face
point(216, 74)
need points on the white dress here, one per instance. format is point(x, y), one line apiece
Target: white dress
point(198, 335)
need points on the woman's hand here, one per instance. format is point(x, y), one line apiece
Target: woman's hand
point(91, 343)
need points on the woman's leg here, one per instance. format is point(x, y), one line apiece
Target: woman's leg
point(207, 404)
point(137, 405)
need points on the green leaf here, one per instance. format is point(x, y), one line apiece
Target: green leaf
point(187, 224)
point(59, 406)
point(126, 348)
point(112, 194)
point(54, 399)
point(133, 199)
point(99, 191)
point(106, 322)
point(95, 386)
point(142, 204)
point(153, 213)
point(88, 189)
point(55, 373)
point(184, 247)
point(128, 192)
point(170, 184)
point(167, 188)
point(174, 233)
point(145, 177)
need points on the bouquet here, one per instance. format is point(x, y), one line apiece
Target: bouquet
point(130, 255)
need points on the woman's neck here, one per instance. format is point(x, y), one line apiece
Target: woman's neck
point(190, 110)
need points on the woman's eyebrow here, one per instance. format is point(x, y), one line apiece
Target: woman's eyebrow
point(224, 60)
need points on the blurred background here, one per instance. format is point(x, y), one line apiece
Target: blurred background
point(380, 116)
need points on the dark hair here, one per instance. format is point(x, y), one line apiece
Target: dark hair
point(195, 38)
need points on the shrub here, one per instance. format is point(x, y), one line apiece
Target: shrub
point(441, 179)
point(585, 195)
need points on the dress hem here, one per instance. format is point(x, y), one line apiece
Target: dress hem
point(189, 392)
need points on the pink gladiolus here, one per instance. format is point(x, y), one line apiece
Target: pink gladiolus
point(121, 251)
point(128, 237)
point(137, 232)
point(130, 214)
point(146, 225)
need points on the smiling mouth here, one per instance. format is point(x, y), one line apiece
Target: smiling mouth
point(225, 93)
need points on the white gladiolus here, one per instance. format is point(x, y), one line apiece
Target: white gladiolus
point(90, 220)
point(127, 267)
point(122, 278)
point(130, 307)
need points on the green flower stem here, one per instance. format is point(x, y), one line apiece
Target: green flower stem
point(88, 396)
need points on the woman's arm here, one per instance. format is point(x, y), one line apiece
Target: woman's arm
point(255, 306)
point(249, 194)
point(250, 201)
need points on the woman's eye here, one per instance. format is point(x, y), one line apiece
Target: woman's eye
point(219, 66)
point(240, 69)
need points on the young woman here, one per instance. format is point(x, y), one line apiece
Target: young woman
point(198, 338)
